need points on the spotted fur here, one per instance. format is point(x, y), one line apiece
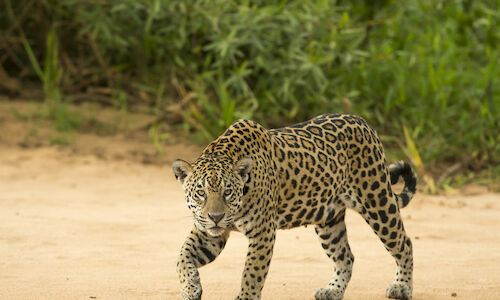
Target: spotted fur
point(256, 181)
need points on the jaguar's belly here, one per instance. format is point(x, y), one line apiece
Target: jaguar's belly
point(300, 212)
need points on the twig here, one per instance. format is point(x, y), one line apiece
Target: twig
point(97, 54)
point(16, 21)
point(449, 171)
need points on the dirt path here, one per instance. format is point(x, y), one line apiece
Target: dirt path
point(80, 227)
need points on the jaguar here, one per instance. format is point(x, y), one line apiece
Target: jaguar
point(255, 181)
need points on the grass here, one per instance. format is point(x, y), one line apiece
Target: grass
point(424, 72)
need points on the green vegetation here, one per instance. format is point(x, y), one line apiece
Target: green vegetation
point(425, 73)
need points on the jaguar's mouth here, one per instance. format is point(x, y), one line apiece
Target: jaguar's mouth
point(216, 230)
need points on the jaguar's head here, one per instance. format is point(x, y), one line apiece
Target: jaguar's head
point(213, 188)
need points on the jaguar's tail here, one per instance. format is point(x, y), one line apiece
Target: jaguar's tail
point(402, 168)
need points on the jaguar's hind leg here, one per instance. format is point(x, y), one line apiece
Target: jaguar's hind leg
point(386, 222)
point(333, 237)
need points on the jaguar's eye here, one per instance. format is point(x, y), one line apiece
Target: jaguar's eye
point(227, 193)
point(200, 193)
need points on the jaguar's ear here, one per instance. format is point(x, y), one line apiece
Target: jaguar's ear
point(243, 167)
point(181, 169)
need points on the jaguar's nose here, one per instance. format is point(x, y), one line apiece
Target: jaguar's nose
point(216, 217)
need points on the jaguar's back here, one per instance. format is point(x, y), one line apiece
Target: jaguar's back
point(323, 162)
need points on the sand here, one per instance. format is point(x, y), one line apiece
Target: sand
point(80, 226)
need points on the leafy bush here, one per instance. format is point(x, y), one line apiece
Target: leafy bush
point(431, 65)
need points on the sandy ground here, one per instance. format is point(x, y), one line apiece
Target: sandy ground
point(79, 226)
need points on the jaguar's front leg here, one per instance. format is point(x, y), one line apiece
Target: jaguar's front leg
point(260, 252)
point(199, 249)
